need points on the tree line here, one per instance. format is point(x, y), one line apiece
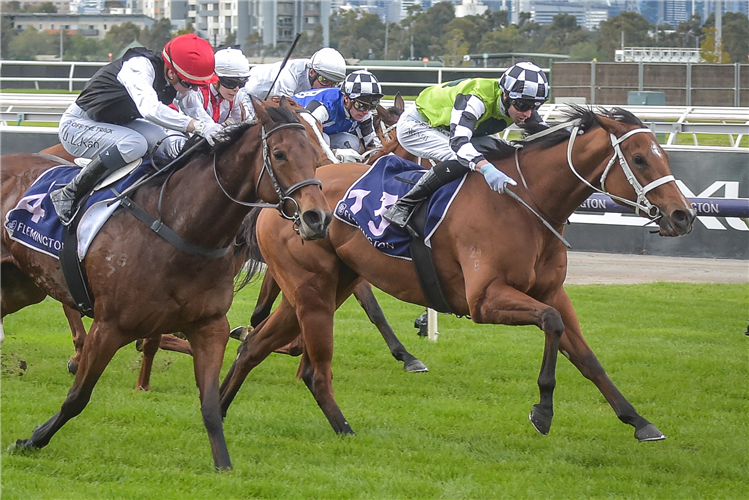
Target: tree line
point(434, 33)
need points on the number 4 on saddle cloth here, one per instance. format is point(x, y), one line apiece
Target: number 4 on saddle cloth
point(389, 178)
point(34, 222)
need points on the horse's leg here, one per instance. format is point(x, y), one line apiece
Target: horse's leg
point(368, 302)
point(574, 347)
point(208, 345)
point(98, 350)
point(315, 313)
point(276, 331)
point(175, 344)
point(17, 290)
point(502, 304)
point(269, 291)
point(79, 336)
point(149, 347)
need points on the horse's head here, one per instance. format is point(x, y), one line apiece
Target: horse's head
point(638, 171)
point(287, 174)
point(386, 118)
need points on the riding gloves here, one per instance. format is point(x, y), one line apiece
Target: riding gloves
point(208, 130)
point(496, 179)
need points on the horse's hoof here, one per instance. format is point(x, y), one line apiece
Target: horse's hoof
point(415, 366)
point(239, 333)
point(22, 445)
point(540, 420)
point(649, 433)
point(72, 367)
point(139, 345)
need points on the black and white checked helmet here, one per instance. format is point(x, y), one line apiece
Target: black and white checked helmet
point(362, 83)
point(525, 80)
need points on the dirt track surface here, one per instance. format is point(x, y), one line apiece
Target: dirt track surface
point(586, 268)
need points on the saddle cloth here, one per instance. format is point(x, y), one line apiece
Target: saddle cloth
point(34, 222)
point(367, 199)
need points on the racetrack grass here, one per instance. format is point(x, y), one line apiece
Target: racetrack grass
point(677, 351)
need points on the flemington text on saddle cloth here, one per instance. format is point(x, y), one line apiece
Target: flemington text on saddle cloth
point(34, 223)
point(370, 196)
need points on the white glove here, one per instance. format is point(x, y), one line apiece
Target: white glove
point(348, 156)
point(496, 179)
point(209, 130)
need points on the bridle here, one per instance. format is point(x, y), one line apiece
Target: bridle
point(284, 195)
point(641, 191)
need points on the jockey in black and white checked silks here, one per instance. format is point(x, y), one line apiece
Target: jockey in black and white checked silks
point(525, 81)
point(362, 83)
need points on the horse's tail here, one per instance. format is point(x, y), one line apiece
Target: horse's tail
point(247, 251)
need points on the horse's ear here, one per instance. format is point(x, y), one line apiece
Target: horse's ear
point(398, 102)
point(262, 115)
point(284, 103)
point(610, 125)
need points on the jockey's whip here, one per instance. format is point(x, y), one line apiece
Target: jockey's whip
point(549, 226)
point(288, 54)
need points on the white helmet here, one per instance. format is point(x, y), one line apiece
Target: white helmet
point(232, 63)
point(329, 63)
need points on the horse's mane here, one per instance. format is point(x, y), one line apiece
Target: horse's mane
point(588, 120)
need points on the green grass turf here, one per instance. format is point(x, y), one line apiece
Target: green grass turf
point(676, 351)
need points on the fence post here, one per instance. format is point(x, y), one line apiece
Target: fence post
point(592, 82)
point(736, 85)
point(688, 97)
point(640, 75)
point(70, 76)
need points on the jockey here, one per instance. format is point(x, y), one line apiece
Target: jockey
point(218, 102)
point(326, 68)
point(471, 110)
point(123, 111)
point(345, 112)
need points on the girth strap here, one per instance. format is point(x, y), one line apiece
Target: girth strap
point(166, 232)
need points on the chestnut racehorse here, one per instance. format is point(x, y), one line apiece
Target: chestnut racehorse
point(156, 288)
point(495, 260)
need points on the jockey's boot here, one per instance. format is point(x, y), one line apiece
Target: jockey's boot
point(65, 199)
point(439, 175)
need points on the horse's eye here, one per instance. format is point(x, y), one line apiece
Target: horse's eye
point(639, 161)
point(279, 155)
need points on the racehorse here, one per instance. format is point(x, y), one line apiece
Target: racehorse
point(142, 285)
point(269, 289)
point(496, 261)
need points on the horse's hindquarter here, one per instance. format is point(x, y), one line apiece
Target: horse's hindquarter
point(17, 173)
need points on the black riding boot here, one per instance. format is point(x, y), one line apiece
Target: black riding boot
point(442, 173)
point(66, 198)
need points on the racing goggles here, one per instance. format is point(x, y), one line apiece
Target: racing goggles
point(325, 82)
point(365, 106)
point(524, 105)
point(232, 83)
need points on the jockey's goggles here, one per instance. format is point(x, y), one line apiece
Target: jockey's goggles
point(524, 105)
point(325, 82)
point(365, 106)
point(232, 82)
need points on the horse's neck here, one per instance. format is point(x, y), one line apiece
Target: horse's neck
point(553, 185)
point(196, 208)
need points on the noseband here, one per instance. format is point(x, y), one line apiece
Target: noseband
point(641, 191)
point(283, 195)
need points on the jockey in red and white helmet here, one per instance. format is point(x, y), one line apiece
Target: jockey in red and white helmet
point(123, 111)
point(218, 102)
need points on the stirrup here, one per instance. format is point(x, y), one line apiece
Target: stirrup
point(398, 215)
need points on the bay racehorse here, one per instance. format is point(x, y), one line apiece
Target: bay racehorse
point(495, 260)
point(269, 289)
point(142, 285)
